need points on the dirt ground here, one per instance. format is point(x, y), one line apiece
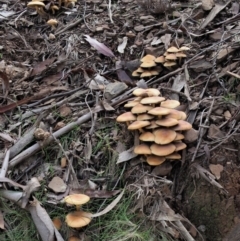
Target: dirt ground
point(41, 67)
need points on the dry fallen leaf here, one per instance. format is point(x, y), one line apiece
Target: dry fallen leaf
point(100, 47)
point(216, 170)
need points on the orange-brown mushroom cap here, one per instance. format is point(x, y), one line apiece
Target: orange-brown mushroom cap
point(136, 125)
point(153, 160)
point(78, 219)
point(127, 116)
point(77, 199)
point(142, 149)
point(164, 136)
point(162, 150)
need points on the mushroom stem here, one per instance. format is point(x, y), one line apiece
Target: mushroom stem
point(78, 207)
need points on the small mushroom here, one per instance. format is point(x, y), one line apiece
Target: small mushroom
point(170, 104)
point(138, 125)
point(160, 60)
point(162, 150)
point(167, 122)
point(38, 6)
point(179, 145)
point(159, 111)
point(173, 156)
point(135, 73)
point(142, 149)
point(182, 126)
point(53, 23)
point(164, 136)
point(169, 64)
point(153, 160)
point(77, 200)
point(152, 100)
point(143, 117)
point(139, 109)
point(78, 219)
point(147, 136)
point(172, 50)
point(126, 117)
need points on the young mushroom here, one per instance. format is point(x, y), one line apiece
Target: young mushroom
point(38, 6)
point(53, 23)
point(153, 160)
point(164, 136)
point(78, 219)
point(162, 150)
point(126, 117)
point(138, 125)
point(77, 200)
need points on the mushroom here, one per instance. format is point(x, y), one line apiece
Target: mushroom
point(74, 238)
point(153, 160)
point(143, 117)
point(153, 125)
point(164, 136)
point(53, 8)
point(138, 125)
point(38, 6)
point(160, 60)
point(146, 92)
point(146, 73)
point(148, 64)
point(131, 104)
point(182, 126)
point(167, 122)
point(135, 73)
point(159, 111)
point(126, 117)
point(179, 145)
point(147, 136)
point(173, 156)
point(162, 150)
point(57, 223)
point(139, 109)
point(142, 149)
point(53, 23)
point(169, 64)
point(179, 137)
point(77, 200)
point(152, 100)
point(172, 50)
point(148, 58)
point(176, 114)
point(170, 104)
point(171, 57)
point(78, 219)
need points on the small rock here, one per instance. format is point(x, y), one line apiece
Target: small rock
point(65, 111)
point(227, 115)
point(57, 185)
point(114, 89)
point(214, 132)
point(191, 135)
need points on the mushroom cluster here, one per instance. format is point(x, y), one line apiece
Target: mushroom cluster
point(161, 126)
point(150, 64)
point(53, 6)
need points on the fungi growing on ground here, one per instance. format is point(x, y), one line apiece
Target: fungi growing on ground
point(77, 200)
point(38, 6)
point(160, 124)
point(78, 219)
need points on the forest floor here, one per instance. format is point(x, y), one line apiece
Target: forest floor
point(62, 88)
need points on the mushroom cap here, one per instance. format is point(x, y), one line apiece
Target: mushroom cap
point(142, 149)
point(170, 104)
point(162, 150)
point(77, 199)
point(146, 73)
point(142, 117)
point(171, 57)
point(130, 104)
point(179, 145)
point(139, 92)
point(146, 92)
point(176, 114)
point(148, 64)
point(139, 109)
point(179, 137)
point(139, 70)
point(57, 223)
point(74, 238)
point(35, 3)
point(169, 64)
point(153, 125)
point(52, 22)
point(135, 73)
point(78, 219)
point(184, 48)
point(153, 160)
point(136, 125)
point(152, 100)
point(164, 136)
point(127, 116)
point(147, 136)
point(182, 126)
point(181, 55)
point(173, 156)
point(160, 59)
point(167, 122)
point(172, 50)
point(147, 58)
point(154, 72)
point(159, 111)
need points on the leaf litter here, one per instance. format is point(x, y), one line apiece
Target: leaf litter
point(53, 78)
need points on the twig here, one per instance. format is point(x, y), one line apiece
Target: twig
point(5, 164)
point(110, 11)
